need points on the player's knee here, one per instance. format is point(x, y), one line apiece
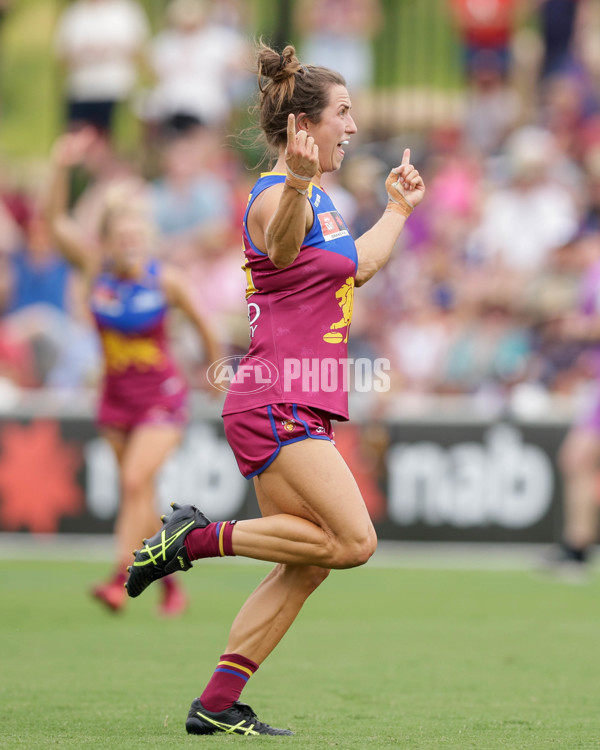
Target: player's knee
point(133, 485)
point(357, 551)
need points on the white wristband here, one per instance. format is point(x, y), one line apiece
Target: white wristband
point(299, 176)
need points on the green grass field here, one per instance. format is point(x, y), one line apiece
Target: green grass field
point(379, 658)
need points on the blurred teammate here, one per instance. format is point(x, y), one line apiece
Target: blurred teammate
point(579, 457)
point(143, 405)
point(301, 266)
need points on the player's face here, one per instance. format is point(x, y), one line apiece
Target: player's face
point(127, 241)
point(334, 129)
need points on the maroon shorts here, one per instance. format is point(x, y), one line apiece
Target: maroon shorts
point(125, 416)
point(256, 436)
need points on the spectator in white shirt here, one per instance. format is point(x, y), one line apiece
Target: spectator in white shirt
point(101, 44)
point(196, 63)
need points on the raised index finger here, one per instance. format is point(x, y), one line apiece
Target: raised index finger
point(291, 128)
point(405, 157)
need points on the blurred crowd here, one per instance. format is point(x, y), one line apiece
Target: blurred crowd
point(487, 268)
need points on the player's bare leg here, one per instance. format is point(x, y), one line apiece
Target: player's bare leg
point(321, 519)
point(273, 606)
point(579, 459)
point(145, 453)
point(140, 456)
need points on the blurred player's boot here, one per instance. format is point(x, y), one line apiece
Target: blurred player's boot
point(111, 594)
point(165, 552)
point(567, 563)
point(174, 601)
point(239, 719)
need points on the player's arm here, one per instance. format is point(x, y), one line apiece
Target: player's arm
point(281, 216)
point(278, 222)
point(405, 189)
point(178, 294)
point(67, 152)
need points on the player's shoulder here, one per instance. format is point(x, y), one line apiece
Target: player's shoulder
point(267, 180)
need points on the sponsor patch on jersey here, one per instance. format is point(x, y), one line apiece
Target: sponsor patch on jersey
point(332, 226)
point(105, 300)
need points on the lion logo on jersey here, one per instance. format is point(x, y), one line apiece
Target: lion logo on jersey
point(345, 297)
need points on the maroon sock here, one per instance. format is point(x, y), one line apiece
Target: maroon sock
point(229, 679)
point(213, 540)
point(169, 583)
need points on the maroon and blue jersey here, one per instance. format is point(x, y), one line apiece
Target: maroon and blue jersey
point(299, 316)
point(130, 315)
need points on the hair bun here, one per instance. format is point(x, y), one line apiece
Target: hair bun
point(279, 66)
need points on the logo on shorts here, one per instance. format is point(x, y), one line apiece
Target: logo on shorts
point(320, 429)
point(242, 374)
point(288, 424)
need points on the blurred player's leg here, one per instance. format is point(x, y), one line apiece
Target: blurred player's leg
point(140, 455)
point(579, 459)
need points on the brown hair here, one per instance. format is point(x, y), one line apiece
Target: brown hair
point(287, 86)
